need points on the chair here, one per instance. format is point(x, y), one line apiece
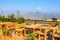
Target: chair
point(44, 32)
point(56, 34)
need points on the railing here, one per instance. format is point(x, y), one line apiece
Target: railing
point(22, 28)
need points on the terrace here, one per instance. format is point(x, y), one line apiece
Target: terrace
point(15, 31)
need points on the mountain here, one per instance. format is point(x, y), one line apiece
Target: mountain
point(41, 15)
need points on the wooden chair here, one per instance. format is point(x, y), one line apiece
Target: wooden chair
point(55, 33)
point(29, 28)
point(44, 32)
point(38, 31)
point(20, 31)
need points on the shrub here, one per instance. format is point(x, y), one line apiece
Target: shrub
point(31, 36)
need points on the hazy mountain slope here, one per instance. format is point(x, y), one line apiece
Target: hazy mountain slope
point(41, 15)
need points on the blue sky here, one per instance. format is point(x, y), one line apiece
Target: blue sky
point(30, 5)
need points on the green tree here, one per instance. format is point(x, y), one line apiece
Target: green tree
point(11, 18)
point(0, 17)
point(54, 19)
point(28, 19)
point(21, 20)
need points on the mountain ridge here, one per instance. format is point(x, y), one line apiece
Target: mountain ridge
point(41, 15)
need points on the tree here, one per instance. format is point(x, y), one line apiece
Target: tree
point(2, 18)
point(28, 19)
point(54, 22)
point(11, 18)
point(54, 19)
point(21, 20)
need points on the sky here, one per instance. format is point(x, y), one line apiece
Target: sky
point(25, 6)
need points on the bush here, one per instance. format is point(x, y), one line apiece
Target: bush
point(31, 36)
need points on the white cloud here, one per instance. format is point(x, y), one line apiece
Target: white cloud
point(39, 8)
